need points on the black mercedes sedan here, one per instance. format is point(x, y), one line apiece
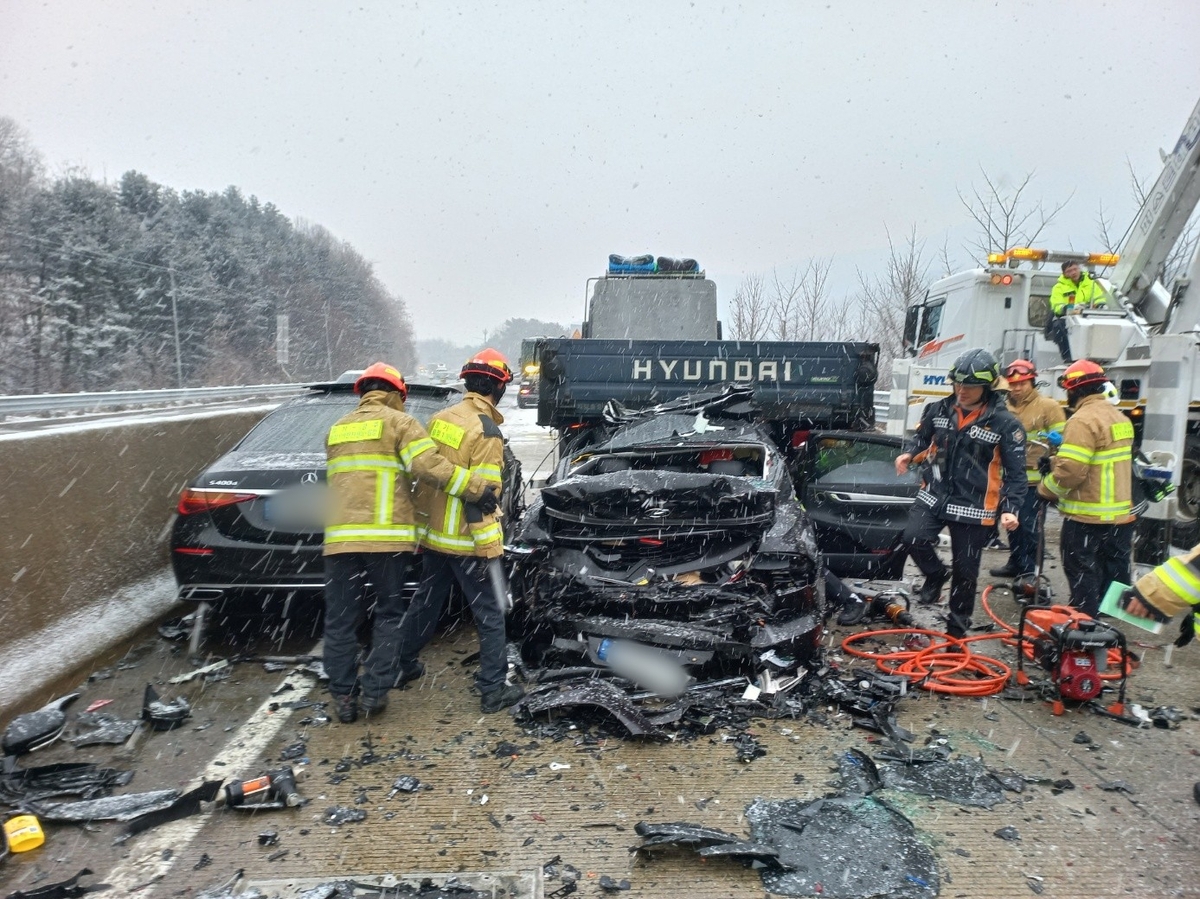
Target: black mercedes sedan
point(252, 522)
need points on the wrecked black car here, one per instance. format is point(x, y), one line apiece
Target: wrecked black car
point(677, 527)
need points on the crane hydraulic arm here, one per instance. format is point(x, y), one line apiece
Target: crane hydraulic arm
point(1163, 216)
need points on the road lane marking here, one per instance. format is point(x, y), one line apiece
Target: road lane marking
point(146, 864)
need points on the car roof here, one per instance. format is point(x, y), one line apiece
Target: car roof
point(346, 380)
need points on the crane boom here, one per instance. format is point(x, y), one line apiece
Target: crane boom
point(1163, 215)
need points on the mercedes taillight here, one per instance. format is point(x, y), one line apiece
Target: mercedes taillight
point(192, 501)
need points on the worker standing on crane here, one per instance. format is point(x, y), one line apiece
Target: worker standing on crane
point(972, 451)
point(1074, 290)
point(1038, 415)
point(1091, 480)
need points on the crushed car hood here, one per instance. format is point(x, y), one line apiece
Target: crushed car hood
point(652, 499)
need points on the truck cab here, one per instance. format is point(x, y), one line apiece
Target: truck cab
point(1005, 307)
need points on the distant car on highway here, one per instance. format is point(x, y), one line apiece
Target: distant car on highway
point(527, 392)
point(252, 522)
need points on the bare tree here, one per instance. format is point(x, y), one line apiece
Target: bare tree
point(1006, 216)
point(749, 310)
point(882, 301)
point(1104, 231)
point(843, 321)
point(945, 263)
point(784, 301)
point(813, 308)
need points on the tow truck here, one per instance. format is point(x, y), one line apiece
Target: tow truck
point(1146, 336)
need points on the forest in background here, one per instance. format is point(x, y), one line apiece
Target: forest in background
point(135, 285)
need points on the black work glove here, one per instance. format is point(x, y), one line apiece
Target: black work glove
point(1187, 630)
point(489, 502)
point(1044, 465)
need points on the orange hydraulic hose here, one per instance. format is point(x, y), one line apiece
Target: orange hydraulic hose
point(945, 666)
point(948, 665)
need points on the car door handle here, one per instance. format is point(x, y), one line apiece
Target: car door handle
point(870, 499)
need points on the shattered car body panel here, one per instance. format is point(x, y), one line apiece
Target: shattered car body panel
point(677, 527)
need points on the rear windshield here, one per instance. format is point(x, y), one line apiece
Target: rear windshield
point(302, 428)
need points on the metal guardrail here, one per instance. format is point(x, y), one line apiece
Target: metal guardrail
point(72, 402)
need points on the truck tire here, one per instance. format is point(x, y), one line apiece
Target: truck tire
point(1187, 519)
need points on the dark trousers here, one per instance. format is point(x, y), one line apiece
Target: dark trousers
point(1023, 542)
point(346, 578)
point(1093, 556)
point(438, 574)
point(1057, 331)
point(966, 547)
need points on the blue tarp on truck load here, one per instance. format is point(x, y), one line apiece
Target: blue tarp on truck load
point(827, 384)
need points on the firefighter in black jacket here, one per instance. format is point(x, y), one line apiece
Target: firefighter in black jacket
point(972, 452)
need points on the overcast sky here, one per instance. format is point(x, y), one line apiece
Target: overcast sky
point(487, 157)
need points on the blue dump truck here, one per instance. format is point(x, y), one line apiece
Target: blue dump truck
point(797, 386)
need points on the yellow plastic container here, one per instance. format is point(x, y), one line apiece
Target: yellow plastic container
point(23, 833)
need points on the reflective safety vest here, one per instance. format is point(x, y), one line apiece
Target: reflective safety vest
point(1038, 415)
point(468, 435)
point(1174, 586)
point(1087, 293)
point(1092, 475)
point(372, 456)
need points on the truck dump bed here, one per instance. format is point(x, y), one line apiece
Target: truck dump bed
point(825, 385)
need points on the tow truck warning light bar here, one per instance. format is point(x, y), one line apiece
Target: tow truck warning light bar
point(1017, 255)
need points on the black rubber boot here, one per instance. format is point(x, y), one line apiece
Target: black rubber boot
point(931, 593)
point(501, 698)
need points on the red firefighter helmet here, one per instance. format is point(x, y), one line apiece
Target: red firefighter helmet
point(381, 371)
point(1080, 374)
point(488, 362)
point(1020, 370)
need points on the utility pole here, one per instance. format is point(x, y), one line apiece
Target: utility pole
point(175, 320)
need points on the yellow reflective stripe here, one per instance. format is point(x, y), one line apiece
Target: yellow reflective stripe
point(1033, 475)
point(447, 433)
point(363, 462)
point(454, 513)
point(385, 486)
point(1103, 511)
point(440, 540)
point(345, 533)
point(1182, 580)
point(489, 473)
point(355, 431)
point(1117, 454)
point(489, 533)
point(1075, 453)
point(1056, 428)
point(1054, 487)
point(458, 483)
point(414, 449)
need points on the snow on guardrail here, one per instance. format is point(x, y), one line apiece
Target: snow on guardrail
point(73, 402)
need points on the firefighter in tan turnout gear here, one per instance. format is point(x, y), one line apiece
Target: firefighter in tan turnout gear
point(458, 542)
point(373, 455)
point(1091, 481)
point(1040, 416)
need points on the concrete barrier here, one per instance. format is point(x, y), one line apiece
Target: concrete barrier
point(85, 514)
